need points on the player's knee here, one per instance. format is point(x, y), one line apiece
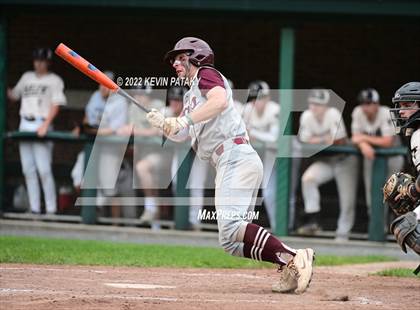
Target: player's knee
point(228, 234)
point(142, 167)
point(45, 173)
point(228, 246)
point(308, 178)
point(29, 172)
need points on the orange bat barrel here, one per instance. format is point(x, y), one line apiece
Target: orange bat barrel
point(84, 66)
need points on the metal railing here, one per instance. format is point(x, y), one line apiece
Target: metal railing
point(89, 216)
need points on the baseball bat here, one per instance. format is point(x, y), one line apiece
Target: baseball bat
point(94, 73)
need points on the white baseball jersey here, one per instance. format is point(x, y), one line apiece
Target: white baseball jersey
point(39, 94)
point(264, 127)
point(415, 149)
point(330, 125)
point(381, 125)
point(208, 135)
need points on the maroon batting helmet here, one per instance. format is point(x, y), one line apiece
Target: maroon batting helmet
point(199, 51)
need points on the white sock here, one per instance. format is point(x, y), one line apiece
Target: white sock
point(417, 212)
point(150, 204)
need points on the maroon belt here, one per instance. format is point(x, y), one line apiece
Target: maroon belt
point(237, 140)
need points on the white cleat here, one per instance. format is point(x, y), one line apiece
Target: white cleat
point(302, 262)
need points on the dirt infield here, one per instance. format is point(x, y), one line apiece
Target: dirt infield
point(81, 287)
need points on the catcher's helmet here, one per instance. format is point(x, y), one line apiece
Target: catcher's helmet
point(176, 93)
point(258, 89)
point(319, 96)
point(43, 53)
point(368, 95)
point(199, 52)
point(409, 92)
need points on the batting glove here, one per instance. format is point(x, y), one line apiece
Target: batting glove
point(155, 118)
point(172, 125)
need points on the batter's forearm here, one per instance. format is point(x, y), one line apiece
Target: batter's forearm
point(216, 103)
point(207, 111)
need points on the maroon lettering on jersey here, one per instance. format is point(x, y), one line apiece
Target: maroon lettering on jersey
point(209, 78)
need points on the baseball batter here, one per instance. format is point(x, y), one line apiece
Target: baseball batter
point(372, 127)
point(402, 190)
point(322, 124)
point(41, 94)
point(219, 136)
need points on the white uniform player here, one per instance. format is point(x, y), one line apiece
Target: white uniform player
point(372, 127)
point(41, 94)
point(219, 136)
point(261, 116)
point(321, 124)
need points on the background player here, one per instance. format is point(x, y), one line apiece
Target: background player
point(261, 116)
point(219, 136)
point(41, 94)
point(90, 124)
point(321, 124)
point(148, 158)
point(372, 127)
point(114, 117)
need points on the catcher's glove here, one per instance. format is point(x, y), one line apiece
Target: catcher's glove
point(397, 193)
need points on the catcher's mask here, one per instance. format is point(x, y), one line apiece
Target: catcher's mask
point(409, 92)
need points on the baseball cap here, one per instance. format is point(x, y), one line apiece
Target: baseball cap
point(42, 53)
point(319, 96)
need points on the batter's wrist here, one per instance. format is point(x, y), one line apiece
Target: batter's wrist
point(185, 121)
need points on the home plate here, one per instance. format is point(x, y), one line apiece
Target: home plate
point(138, 285)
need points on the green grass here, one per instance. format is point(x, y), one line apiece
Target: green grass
point(33, 250)
point(397, 272)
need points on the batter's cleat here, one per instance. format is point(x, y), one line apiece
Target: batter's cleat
point(309, 229)
point(302, 262)
point(288, 281)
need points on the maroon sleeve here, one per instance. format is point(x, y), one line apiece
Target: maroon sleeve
point(209, 78)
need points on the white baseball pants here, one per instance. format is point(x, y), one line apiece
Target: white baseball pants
point(344, 171)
